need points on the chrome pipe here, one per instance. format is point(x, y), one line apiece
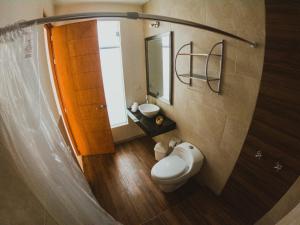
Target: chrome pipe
point(128, 15)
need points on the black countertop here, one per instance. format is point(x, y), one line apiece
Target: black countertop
point(149, 126)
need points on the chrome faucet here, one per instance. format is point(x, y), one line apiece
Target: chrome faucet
point(147, 101)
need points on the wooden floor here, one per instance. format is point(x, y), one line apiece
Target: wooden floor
point(122, 184)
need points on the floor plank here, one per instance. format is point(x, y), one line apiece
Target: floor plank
point(122, 184)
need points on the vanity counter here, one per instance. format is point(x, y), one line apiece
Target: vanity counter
point(149, 126)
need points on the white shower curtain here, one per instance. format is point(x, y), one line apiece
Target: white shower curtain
point(34, 140)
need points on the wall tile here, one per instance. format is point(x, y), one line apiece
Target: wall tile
point(217, 124)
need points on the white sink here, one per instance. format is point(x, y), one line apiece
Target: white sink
point(149, 110)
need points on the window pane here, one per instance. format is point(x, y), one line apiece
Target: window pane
point(109, 33)
point(112, 72)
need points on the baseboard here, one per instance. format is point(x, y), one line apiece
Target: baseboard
point(129, 139)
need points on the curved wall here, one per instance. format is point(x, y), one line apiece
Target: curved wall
point(255, 185)
point(217, 124)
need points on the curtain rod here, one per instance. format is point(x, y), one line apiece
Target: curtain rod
point(129, 15)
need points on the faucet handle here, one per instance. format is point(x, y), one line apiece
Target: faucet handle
point(278, 166)
point(258, 154)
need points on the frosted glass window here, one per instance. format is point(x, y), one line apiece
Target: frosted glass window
point(112, 71)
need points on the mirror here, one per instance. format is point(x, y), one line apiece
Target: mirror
point(159, 66)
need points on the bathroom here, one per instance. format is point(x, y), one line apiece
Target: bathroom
point(240, 127)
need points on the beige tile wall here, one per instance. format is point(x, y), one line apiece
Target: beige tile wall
point(292, 218)
point(217, 124)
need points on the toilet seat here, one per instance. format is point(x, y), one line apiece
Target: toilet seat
point(169, 167)
point(172, 172)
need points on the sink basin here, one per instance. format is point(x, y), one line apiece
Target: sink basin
point(149, 110)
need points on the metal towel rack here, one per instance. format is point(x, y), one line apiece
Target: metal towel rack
point(204, 77)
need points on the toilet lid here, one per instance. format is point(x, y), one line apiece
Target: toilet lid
point(169, 167)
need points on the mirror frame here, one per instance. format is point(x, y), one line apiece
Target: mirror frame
point(159, 36)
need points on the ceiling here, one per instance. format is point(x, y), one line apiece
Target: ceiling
point(139, 2)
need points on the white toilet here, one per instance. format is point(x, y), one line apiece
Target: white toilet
point(174, 170)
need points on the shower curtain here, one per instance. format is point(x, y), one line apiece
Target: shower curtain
point(31, 135)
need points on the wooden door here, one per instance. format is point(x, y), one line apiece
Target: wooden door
point(79, 83)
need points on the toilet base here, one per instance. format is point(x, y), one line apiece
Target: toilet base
point(171, 187)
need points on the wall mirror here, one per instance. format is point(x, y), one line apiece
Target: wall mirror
point(159, 66)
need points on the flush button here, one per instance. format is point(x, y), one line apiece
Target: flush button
point(191, 147)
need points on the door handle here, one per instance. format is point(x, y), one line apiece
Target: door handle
point(102, 106)
point(278, 166)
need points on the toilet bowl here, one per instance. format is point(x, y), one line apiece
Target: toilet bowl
point(174, 170)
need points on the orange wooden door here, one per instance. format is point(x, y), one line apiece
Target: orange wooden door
point(79, 80)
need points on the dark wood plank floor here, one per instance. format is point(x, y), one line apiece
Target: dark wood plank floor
point(122, 184)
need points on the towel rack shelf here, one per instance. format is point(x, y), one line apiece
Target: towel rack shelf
point(198, 77)
point(199, 54)
point(187, 78)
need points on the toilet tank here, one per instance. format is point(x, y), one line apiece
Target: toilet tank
point(190, 153)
